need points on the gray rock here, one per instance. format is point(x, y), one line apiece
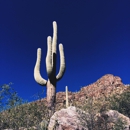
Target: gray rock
point(71, 118)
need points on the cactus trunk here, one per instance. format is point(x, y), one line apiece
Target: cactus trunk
point(51, 98)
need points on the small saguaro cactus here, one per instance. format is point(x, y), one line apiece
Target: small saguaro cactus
point(50, 68)
point(66, 91)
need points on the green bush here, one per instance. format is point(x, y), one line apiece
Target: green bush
point(121, 103)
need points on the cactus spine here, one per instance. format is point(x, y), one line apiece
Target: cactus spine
point(50, 68)
point(67, 103)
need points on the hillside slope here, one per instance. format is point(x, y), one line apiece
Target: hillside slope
point(94, 98)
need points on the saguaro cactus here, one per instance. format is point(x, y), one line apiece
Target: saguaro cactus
point(50, 68)
point(67, 102)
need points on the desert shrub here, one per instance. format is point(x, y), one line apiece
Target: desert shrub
point(120, 125)
point(121, 103)
point(16, 113)
point(102, 123)
point(9, 97)
point(26, 115)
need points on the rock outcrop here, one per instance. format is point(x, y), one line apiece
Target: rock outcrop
point(106, 85)
point(71, 118)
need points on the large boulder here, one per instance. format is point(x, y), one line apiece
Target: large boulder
point(71, 118)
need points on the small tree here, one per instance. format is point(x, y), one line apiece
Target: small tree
point(9, 97)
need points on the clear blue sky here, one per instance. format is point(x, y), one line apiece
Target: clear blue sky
point(95, 35)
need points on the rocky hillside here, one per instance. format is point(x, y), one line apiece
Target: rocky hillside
point(104, 87)
point(94, 98)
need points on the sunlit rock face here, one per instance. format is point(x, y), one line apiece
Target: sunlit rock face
point(106, 85)
point(71, 118)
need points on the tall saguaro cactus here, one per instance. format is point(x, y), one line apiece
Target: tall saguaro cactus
point(50, 68)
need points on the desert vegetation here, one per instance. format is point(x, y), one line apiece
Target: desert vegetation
point(16, 113)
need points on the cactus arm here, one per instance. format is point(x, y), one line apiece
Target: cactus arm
point(49, 57)
point(62, 63)
point(54, 40)
point(37, 75)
